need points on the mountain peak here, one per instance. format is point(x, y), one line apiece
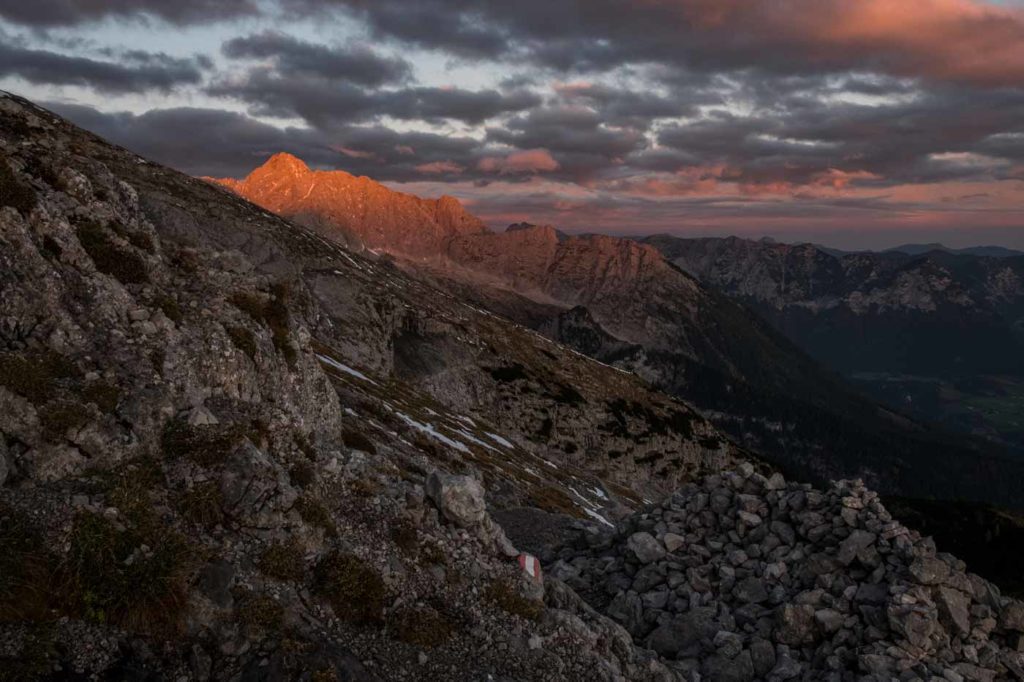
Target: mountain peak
point(283, 163)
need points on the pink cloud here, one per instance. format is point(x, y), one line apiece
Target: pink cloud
point(958, 40)
point(529, 161)
point(439, 167)
point(355, 153)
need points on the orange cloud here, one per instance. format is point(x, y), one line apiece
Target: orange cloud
point(530, 161)
point(439, 167)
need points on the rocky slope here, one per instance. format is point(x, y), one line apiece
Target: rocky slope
point(231, 449)
point(742, 577)
point(655, 320)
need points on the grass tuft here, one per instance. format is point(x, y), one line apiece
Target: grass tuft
point(422, 626)
point(284, 561)
point(507, 597)
point(352, 587)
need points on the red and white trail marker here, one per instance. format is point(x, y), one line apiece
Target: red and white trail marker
point(530, 565)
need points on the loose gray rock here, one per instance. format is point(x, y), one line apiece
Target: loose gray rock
point(459, 498)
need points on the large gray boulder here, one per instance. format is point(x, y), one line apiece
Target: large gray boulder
point(459, 498)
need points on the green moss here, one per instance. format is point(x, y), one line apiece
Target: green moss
point(284, 561)
point(13, 192)
point(203, 505)
point(244, 340)
point(61, 416)
point(422, 626)
point(507, 597)
point(135, 577)
point(357, 441)
point(314, 512)
point(352, 587)
point(35, 375)
point(261, 611)
point(206, 445)
point(110, 259)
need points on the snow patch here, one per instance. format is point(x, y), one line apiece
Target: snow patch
point(499, 440)
point(345, 368)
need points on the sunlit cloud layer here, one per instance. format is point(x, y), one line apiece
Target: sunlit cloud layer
point(851, 122)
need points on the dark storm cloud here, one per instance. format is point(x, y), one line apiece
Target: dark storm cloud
point(358, 65)
point(326, 103)
point(133, 71)
point(200, 141)
point(50, 13)
point(937, 39)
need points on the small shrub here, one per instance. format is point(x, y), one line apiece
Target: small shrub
point(314, 512)
point(507, 597)
point(244, 340)
point(352, 587)
point(357, 441)
point(110, 259)
point(26, 569)
point(302, 474)
point(169, 305)
point(423, 626)
point(261, 611)
point(206, 445)
point(204, 505)
point(141, 240)
point(13, 192)
point(58, 417)
point(135, 578)
point(283, 561)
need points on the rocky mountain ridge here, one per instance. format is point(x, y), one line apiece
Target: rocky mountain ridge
point(681, 336)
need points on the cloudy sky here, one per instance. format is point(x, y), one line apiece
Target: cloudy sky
point(856, 123)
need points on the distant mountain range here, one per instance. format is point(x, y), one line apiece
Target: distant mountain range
point(920, 249)
point(921, 329)
point(624, 303)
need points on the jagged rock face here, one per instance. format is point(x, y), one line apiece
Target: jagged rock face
point(742, 577)
point(934, 314)
point(218, 429)
point(355, 210)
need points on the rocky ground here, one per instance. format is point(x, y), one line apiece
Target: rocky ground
point(230, 449)
point(743, 577)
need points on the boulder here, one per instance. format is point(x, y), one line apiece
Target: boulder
point(645, 547)
point(794, 624)
point(460, 499)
